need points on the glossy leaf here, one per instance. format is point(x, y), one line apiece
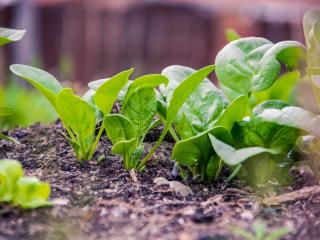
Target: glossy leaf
point(89, 98)
point(146, 81)
point(193, 97)
point(119, 128)
point(236, 111)
point(32, 193)
point(76, 113)
point(8, 35)
point(44, 82)
point(141, 108)
point(196, 152)
point(293, 117)
point(10, 172)
point(232, 156)
point(107, 93)
point(253, 64)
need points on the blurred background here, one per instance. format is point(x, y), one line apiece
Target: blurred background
point(83, 40)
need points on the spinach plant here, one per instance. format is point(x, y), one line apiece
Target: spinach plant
point(205, 111)
point(19, 190)
point(77, 115)
point(261, 150)
point(127, 129)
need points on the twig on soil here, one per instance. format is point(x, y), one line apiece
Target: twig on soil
point(301, 194)
point(133, 176)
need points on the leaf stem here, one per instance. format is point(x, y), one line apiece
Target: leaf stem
point(174, 134)
point(96, 141)
point(234, 173)
point(153, 149)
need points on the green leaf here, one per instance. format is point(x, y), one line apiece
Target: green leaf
point(188, 83)
point(89, 98)
point(44, 82)
point(275, 104)
point(140, 108)
point(282, 89)
point(107, 93)
point(197, 153)
point(293, 117)
point(6, 111)
point(124, 147)
point(236, 111)
point(8, 35)
point(76, 113)
point(257, 132)
point(147, 81)
point(278, 233)
point(10, 172)
point(232, 156)
point(32, 193)
point(232, 35)
point(119, 128)
point(253, 64)
point(202, 106)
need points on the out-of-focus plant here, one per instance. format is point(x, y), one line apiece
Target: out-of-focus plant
point(259, 231)
point(7, 36)
point(19, 190)
point(27, 107)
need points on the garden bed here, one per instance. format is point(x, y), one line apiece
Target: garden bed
point(100, 200)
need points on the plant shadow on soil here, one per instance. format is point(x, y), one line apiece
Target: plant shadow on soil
point(100, 200)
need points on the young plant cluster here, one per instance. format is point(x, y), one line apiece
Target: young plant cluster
point(245, 126)
point(19, 190)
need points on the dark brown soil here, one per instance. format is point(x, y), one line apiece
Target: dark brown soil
point(101, 200)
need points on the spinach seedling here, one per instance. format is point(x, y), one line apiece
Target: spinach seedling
point(127, 130)
point(77, 115)
point(261, 149)
point(16, 189)
point(205, 111)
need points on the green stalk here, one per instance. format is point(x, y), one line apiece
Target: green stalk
point(96, 141)
point(153, 149)
point(174, 134)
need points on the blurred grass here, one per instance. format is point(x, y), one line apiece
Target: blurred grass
point(28, 105)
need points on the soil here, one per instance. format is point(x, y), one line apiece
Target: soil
point(100, 200)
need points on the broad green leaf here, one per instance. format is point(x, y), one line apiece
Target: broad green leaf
point(236, 111)
point(253, 64)
point(119, 128)
point(6, 111)
point(232, 156)
point(196, 152)
point(124, 147)
point(88, 97)
point(76, 113)
point(231, 35)
point(187, 83)
point(141, 108)
point(43, 81)
point(257, 132)
point(32, 193)
point(282, 89)
point(107, 93)
point(147, 81)
point(293, 117)
point(278, 234)
point(10, 172)
point(94, 85)
point(8, 35)
point(276, 104)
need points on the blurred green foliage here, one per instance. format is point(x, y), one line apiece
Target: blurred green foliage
point(28, 105)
